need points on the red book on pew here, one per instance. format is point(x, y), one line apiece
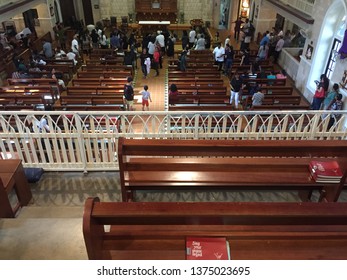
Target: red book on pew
point(207, 248)
point(325, 171)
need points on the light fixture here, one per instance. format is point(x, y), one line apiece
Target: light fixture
point(245, 4)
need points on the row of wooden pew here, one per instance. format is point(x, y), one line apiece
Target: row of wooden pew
point(255, 230)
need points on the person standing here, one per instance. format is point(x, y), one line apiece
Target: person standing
point(200, 43)
point(185, 39)
point(143, 57)
point(229, 57)
point(146, 95)
point(151, 47)
point(219, 53)
point(156, 60)
point(75, 45)
point(337, 105)
point(192, 35)
point(170, 47)
point(129, 94)
point(330, 98)
point(235, 88)
point(278, 48)
point(95, 39)
point(237, 28)
point(319, 94)
point(47, 49)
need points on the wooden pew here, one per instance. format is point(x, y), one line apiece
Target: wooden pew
point(274, 82)
point(33, 81)
point(201, 107)
point(108, 74)
point(66, 69)
point(93, 100)
point(202, 81)
point(254, 230)
point(275, 90)
point(102, 67)
point(226, 164)
point(99, 81)
point(273, 99)
point(87, 107)
point(202, 99)
point(280, 107)
point(245, 68)
point(187, 90)
point(211, 75)
point(47, 92)
point(13, 182)
point(98, 90)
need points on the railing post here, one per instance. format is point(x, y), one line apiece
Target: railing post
point(80, 138)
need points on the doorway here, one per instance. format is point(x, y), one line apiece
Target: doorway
point(68, 12)
point(88, 12)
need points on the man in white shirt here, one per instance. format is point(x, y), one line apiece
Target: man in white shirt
point(278, 48)
point(160, 39)
point(218, 53)
point(71, 56)
point(74, 45)
point(192, 35)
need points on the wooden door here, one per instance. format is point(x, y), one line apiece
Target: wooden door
point(88, 12)
point(68, 12)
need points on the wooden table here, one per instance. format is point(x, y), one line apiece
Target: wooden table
point(13, 179)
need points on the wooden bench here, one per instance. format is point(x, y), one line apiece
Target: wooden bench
point(273, 99)
point(245, 68)
point(87, 107)
point(13, 183)
point(159, 164)
point(33, 81)
point(104, 74)
point(91, 100)
point(99, 81)
point(98, 90)
point(47, 92)
point(274, 82)
point(254, 230)
point(191, 98)
point(275, 90)
point(101, 67)
point(280, 107)
point(216, 90)
point(201, 107)
point(207, 75)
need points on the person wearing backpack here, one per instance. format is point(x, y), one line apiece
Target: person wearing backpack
point(129, 94)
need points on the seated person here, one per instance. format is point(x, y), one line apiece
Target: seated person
point(173, 94)
point(258, 98)
point(282, 75)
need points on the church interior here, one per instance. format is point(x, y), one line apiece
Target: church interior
point(224, 110)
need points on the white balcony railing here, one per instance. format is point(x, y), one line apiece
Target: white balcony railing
point(88, 140)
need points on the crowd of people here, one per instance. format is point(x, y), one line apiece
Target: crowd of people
point(155, 46)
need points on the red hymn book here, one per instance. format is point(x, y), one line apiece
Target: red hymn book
point(207, 248)
point(325, 171)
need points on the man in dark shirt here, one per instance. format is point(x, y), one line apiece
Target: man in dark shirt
point(235, 88)
point(237, 28)
point(129, 94)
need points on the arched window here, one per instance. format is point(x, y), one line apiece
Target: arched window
point(338, 38)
